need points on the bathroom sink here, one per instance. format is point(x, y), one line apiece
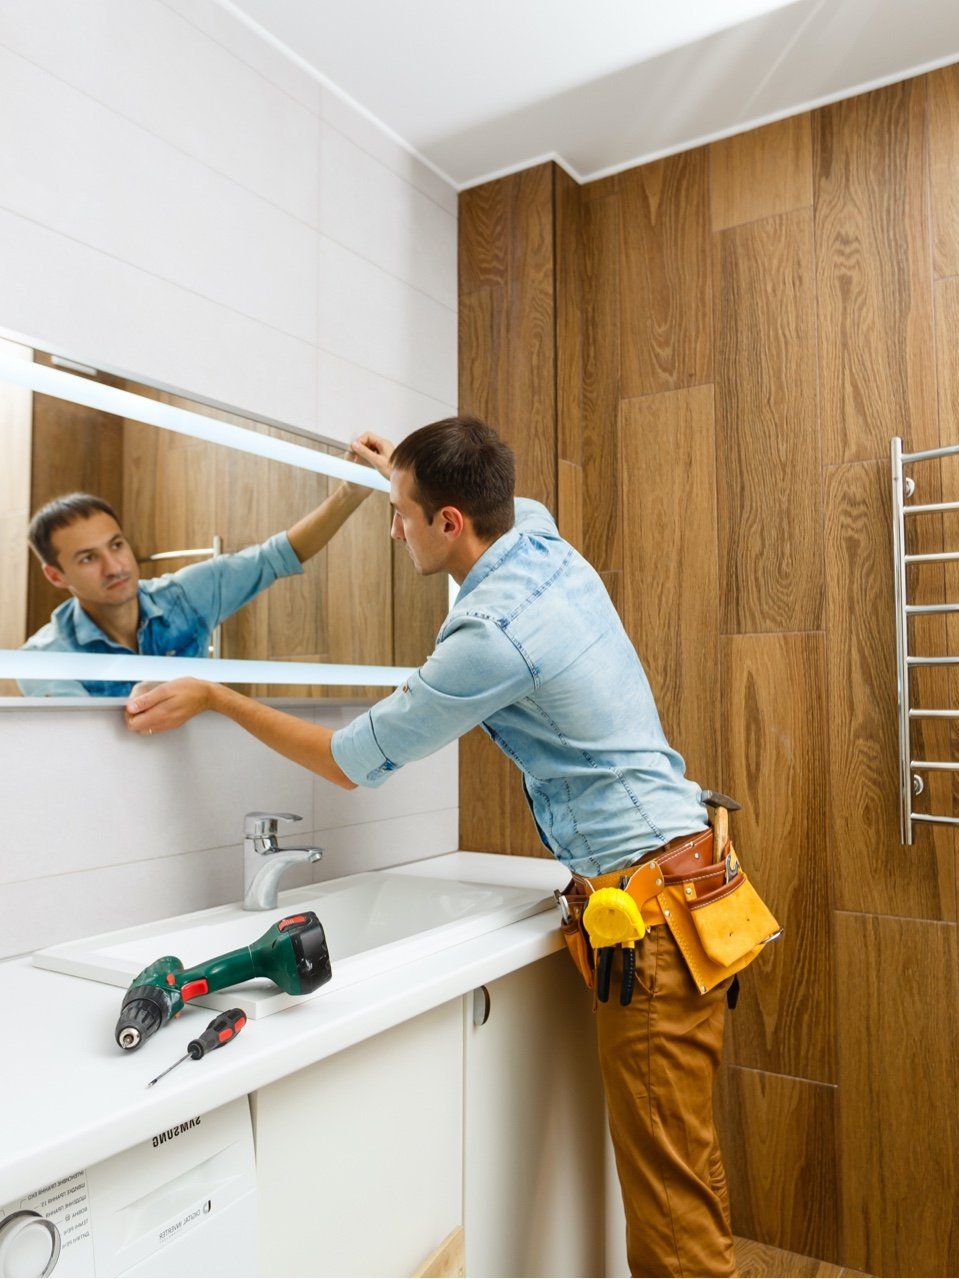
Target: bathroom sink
point(374, 922)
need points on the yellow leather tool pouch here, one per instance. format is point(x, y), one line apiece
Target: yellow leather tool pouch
point(720, 927)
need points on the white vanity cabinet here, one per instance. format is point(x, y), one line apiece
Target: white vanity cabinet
point(360, 1157)
point(534, 1127)
point(369, 1159)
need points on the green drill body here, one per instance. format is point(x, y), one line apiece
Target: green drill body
point(292, 954)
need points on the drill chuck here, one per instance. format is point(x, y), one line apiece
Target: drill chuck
point(145, 1009)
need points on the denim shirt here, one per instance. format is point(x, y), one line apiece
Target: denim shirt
point(534, 651)
point(177, 614)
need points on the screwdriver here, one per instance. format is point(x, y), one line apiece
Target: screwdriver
point(219, 1032)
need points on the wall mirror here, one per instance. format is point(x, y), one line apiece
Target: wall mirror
point(193, 485)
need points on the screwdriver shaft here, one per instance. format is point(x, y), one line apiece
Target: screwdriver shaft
point(168, 1069)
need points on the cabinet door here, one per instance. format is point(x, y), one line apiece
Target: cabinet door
point(359, 1158)
point(535, 1128)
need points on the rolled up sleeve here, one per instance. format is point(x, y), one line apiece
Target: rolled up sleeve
point(474, 671)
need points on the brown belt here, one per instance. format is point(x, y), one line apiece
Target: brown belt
point(687, 859)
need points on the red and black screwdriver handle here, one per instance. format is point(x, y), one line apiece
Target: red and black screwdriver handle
point(219, 1032)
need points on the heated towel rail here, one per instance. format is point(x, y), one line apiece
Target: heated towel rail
point(911, 769)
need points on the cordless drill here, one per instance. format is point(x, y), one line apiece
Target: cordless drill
point(292, 954)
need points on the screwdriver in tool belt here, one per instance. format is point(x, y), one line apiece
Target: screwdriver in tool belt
point(221, 1030)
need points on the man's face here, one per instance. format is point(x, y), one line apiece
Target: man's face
point(94, 561)
point(429, 545)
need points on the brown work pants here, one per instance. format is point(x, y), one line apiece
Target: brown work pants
point(659, 1057)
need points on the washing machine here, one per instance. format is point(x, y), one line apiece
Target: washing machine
point(182, 1203)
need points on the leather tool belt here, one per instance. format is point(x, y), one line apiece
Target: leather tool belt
point(712, 910)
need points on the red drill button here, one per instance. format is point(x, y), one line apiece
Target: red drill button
point(194, 988)
point(293, 919)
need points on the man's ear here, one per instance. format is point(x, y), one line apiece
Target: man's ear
point(453, 521)
point(54, 576)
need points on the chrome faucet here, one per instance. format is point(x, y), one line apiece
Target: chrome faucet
point(264, 861)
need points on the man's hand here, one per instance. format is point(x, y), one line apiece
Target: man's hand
point(375, 450)
point(155, 708)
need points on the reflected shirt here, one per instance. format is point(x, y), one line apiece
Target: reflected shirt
point(534, 652)
point(178, 612)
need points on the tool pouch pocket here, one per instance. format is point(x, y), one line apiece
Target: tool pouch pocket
point(579, 948)
point(732, 921)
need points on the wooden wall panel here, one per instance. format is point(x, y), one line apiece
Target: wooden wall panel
point(874, 263)
point(75, 449)
point(765, 171)
point(779, 1147)
point(484, 236)
point(569, 318)
point(665, 260)
point(944, 168)
point(774, 738)
point(420, 606)
point(531, 421)
point(602, 538)
point(770, 506)
point(872, 872)
point(899, 1129)
point(669, 533)
point(508, 375)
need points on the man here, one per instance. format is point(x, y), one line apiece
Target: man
point(81, 547)
point(535, 652)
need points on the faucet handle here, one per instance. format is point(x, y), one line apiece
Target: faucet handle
point(258, 825)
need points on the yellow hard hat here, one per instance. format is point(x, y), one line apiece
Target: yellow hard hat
point(612, 918)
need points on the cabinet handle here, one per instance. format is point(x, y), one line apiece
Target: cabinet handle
point(481, 1006)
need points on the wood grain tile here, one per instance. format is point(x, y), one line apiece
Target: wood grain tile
point(570, 512)
point(531, 423)
point(774, 761)
point(755, 1260)
point(569, 317)
point(779, 1148)
point(767, 464)
point(898, 1003)
point(943, 88)
point(420, 606)
point(761, 172)
point(874, 266)
point(872, 872)
point(664, 301)
point(484, 355)
point(602, 537)
point(483, 236)
point(670, 566)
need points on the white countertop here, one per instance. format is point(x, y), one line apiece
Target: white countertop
point(69, 1097)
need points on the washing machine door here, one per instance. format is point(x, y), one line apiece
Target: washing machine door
point(29, 1245)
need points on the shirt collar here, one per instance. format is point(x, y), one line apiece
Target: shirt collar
point(491, 559)
point(70, 615)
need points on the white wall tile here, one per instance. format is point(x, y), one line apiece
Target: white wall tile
point(379, 144)
point(372, 319)
point(144, 62)
point(102, 311)
point(219, 23)
point(376, 845)
point(130, 237)
point(80, 169)
point(126, 798)
point(427, 785)
point(352, 399)
point(366, 207)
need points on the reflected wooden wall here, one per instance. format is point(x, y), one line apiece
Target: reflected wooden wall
point(758, 318)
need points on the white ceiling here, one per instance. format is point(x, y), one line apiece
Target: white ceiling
point(481, 87)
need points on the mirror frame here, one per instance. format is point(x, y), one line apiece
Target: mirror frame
point(78, 388)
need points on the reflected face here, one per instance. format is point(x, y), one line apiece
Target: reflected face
point(429, 548)
point(95, 562)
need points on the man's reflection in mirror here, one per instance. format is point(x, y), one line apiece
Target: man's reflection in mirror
point(82, 549)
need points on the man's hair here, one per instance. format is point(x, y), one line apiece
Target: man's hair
point(58, 514)
point(461, 462)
